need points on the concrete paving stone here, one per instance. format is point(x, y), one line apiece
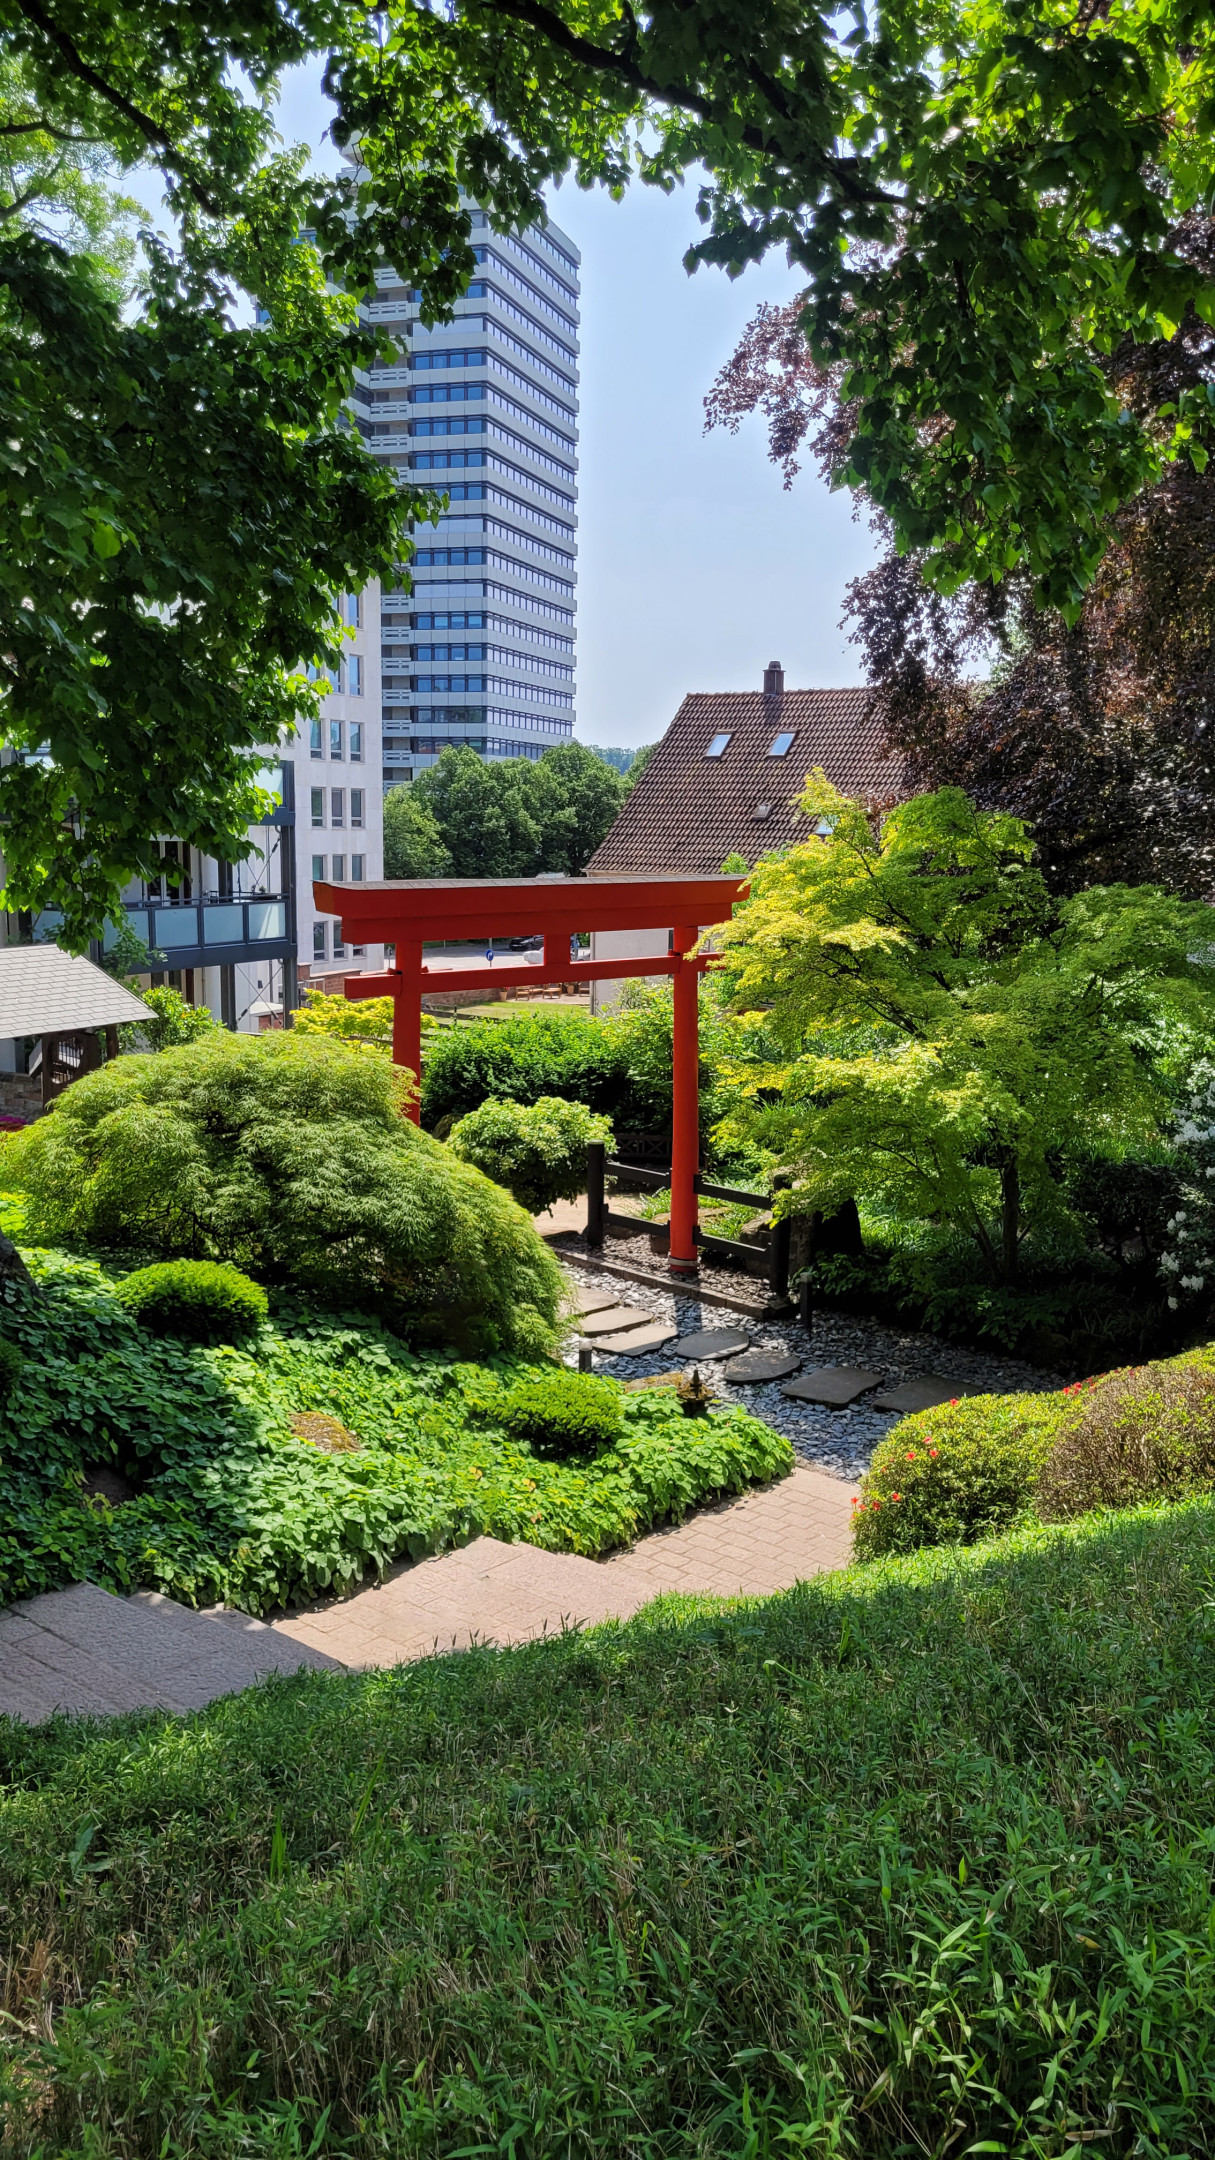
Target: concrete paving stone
point(75, 1681)
point(615, 1320)
point(927, 1394)
point(595, 1301)
point(761, 1365)
point(711, 1343)
point(833, 1385)
point(29, 1692)
point(639, 1342)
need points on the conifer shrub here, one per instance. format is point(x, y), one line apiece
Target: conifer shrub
point(537, 1150)
point(568, 1415)
point(289, 1155)
point(203, 1301)
point(1144, 1434)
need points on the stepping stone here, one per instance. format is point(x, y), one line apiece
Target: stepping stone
point(833, 1385)
point(711, 1343)
point(613, 1320)
point(593, 1301)
point(638, 1340)
point(926, 1394)
point(761, 1365)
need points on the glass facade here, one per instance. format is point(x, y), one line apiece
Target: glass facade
point(504, 558)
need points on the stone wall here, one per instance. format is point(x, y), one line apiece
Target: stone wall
point(20, 1095)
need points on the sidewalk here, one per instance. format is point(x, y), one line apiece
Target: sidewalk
point(492, 1592)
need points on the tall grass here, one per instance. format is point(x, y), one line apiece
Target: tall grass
point(915, 1860)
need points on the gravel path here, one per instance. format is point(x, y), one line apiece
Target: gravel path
point(837, 1440)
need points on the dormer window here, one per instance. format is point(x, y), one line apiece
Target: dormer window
point(781, 745)
point(718, 746)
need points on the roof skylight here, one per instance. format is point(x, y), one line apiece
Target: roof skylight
point(718, 746)
point(781, 745)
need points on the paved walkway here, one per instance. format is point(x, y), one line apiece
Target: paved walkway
point(84, 1651)
point(492, 1592)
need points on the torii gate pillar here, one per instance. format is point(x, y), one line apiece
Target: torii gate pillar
point(414, 910)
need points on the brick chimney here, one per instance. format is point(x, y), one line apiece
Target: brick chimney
point(774, 679)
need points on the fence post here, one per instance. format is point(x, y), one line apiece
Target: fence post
point(778, 1255)
point(596, 1156)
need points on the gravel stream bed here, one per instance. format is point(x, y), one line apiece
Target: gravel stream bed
point(840, 1441)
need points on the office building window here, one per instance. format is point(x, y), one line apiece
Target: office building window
point(319, 934)
point(335, 738)
point(339, 869)
point(357, 869)
point(354, 675)
point(315, 738)
point(354, 610)
point(337, 806)
point(318, 867)
point(318, 805)
point(357, 797)
point(359, 951)
point(356, 742)
point(339, 950)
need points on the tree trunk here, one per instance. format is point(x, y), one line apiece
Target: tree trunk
point(13, 1268)
point(1010, 1220)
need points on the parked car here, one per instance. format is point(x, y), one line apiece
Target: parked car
point(526, 944)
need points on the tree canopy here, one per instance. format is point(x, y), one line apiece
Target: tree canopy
point(985, 200)
point(951, 1028)
point(467, 818)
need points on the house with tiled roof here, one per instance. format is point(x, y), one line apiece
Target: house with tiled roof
point(724, 781)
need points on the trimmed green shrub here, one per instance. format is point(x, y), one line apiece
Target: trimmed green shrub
point(534, 1054)
point(1144, 1434)
point(972, 1468)
point(956, 1474)
point(289, 1155)
point(204, 1301)
point(537, 1150)
point(569, 1414)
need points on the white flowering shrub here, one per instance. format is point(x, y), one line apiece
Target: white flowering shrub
point(1188, 1261)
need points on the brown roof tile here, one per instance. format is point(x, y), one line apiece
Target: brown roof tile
point(688, 811)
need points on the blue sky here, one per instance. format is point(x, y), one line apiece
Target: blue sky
point(696, 567)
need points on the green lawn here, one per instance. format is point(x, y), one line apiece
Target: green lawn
point(915, 1860)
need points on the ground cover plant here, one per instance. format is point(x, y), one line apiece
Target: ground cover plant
point(239, 1495)
point(290, 1157)
point(913, 1859)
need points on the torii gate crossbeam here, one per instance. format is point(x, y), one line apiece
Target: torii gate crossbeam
point(417, 911)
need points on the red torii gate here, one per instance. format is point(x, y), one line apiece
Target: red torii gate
point(414, 910)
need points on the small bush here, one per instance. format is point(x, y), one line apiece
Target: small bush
point(1144, 1434)
point(571, 1414)
point(537, 1150)
point(288, 1155)
point(957, 1474)
point(198, 1300)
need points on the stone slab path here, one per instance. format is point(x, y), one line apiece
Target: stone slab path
point(83, 1651)
point(491, 1592)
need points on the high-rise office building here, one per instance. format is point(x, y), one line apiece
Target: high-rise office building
point(480, 654)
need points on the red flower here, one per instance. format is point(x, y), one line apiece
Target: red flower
point(934, 1451)
point(896, 1495)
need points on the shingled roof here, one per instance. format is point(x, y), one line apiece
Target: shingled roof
point(44, 991)
point(689, 811)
